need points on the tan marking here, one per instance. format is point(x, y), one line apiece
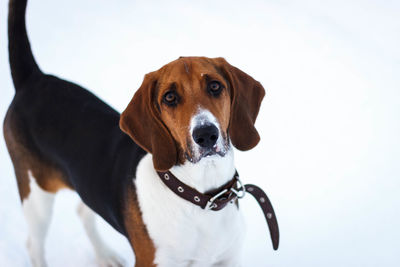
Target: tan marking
point(137, 232)
point(47, 175)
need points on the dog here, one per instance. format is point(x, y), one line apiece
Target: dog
point(184, 119)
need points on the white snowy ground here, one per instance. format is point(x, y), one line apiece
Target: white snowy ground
point(329, 153)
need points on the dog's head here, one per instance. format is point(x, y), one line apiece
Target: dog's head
point(192, 108)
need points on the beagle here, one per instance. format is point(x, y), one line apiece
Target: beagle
point(184, 119)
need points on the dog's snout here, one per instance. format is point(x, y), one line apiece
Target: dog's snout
point(205, 136)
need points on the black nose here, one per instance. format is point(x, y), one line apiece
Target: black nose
point(205, 136)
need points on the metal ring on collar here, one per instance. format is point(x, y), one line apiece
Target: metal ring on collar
point(241, 192)
point(210, 204)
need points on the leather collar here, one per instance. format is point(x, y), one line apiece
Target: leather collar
point(219, 198)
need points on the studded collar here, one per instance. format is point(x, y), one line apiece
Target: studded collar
point(219, 198)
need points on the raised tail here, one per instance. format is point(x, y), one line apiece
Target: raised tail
point(22, 62)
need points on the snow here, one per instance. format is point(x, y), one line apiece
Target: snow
point(330, 149)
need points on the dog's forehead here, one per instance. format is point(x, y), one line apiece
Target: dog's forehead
point(185, 68)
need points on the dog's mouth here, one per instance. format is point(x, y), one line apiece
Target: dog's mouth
point(211, 152)
point(195, 154)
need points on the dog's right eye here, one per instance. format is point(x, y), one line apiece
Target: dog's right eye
point(214, 88)
point(171, 98)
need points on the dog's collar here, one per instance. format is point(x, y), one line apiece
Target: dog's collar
point(218, 199)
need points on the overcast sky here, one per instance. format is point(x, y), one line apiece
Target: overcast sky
point(329, 124)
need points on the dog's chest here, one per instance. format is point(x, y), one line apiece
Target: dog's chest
point(183, 233)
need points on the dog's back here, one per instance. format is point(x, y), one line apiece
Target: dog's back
point(61, 135)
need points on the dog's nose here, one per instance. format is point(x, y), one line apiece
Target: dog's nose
point(205, 136)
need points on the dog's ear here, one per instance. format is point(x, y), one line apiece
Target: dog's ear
point(142, 122)
point(246, 96)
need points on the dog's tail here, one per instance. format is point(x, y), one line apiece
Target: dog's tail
point(22, 63)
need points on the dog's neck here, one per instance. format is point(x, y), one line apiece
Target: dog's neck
point(207, 174)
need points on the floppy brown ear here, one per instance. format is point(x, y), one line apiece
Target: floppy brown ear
point(246, 97)
point(141, 121)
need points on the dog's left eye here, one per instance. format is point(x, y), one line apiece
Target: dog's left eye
point(171, 98)
point(214, 88)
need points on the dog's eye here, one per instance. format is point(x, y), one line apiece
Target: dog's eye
point(171, 98)
point(214, 88)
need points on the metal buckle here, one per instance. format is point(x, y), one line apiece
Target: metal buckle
point(210, 204)
point(241, 191)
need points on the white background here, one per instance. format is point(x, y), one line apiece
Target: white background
point(329, 125)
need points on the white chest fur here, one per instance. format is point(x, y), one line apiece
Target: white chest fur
point(185, 234)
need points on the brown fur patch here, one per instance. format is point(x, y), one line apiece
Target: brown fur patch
point(47, 175)
point(137, 232)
